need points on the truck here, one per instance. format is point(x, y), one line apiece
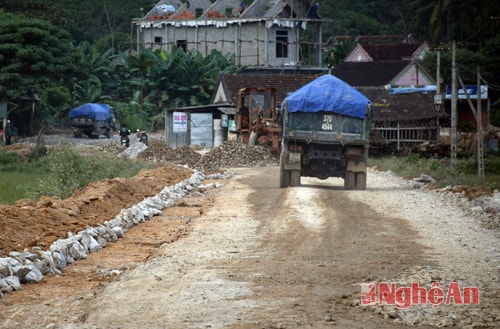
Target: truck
point(256, 118)
point(326, 132)
point(93, 120)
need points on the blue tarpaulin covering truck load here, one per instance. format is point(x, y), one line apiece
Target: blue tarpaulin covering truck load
point(326, 133)
point(92, 120)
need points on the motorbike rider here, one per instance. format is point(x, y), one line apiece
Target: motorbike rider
point(124, 133)
point(143, 137)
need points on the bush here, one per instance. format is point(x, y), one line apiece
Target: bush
point(8, 158)
point(70, 171)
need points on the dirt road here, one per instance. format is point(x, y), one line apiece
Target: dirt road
point(251, 255)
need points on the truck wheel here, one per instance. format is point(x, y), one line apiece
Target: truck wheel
point(294, 178)
point(349, 180)
point(284, 174)
point(360, 181)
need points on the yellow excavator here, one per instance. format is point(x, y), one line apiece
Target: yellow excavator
point(257, 119)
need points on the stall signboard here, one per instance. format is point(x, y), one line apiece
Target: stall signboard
point(471, 91)
point(180, 122)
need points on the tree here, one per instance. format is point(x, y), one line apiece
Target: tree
point(34, 56)
point(467, 21)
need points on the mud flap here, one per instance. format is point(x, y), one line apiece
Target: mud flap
point(292, 161)
point(356, 164)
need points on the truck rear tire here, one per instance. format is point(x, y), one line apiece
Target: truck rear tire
point(294, 178)
point(349, 180)
point(360, 181)
point(284, 174)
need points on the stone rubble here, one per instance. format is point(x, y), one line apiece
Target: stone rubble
point(485, 208)
point(229, 154)
point(30, 267)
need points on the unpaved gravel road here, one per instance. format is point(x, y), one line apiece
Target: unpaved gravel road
point(257, 256)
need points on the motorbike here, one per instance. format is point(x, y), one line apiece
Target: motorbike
point(143, 137)
point(124, 140)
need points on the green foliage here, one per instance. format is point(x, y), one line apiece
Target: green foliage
point(16, 175)
point(338, 50)
point(8, 159)
point(58, 174)
point(467, 21)
point(156, 79)
point(85, 20)
point(118, 41)
point(70, 171)
point(34, 55)
point(466, 60)
point(57, 96)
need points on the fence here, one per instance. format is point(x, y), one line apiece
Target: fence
point(407, 133)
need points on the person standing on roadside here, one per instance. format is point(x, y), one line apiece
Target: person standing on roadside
point(6, 133)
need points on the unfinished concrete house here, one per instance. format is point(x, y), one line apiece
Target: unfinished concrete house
point(260, 33)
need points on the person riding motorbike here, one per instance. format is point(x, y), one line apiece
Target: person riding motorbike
point(143, 137)
point(124, 133)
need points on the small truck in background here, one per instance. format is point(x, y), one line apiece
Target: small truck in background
point(93, 120)
point(326, 132)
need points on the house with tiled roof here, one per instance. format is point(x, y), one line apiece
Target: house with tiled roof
point(387, 52)
point(400, 120)
point(260, 33)
point(230, 84)
point(385, 64)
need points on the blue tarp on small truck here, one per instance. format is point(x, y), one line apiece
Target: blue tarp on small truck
point(92, 120)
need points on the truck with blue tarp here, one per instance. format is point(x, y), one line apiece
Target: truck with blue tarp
point(93, 120)
point(326, 132)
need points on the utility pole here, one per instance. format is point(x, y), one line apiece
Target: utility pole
point(454, 119)
point(479, 121)
point(437, 98)
point(479, 124)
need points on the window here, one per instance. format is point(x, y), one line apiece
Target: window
point(281, 44)
point(199, 12)
point(158, 39)
point(182, 44)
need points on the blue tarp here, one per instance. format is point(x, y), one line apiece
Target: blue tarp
point(93, 110)
point(330, 94)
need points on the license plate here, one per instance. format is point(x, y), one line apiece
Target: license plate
point(294, 157)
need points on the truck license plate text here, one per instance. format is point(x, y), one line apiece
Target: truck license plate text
point(327, 122)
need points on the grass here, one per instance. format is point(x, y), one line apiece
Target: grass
point(58, 173)
point(463, 173)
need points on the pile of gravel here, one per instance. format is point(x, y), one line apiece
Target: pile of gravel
point(158, 151)
point(235, 154)
point(229, 154)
